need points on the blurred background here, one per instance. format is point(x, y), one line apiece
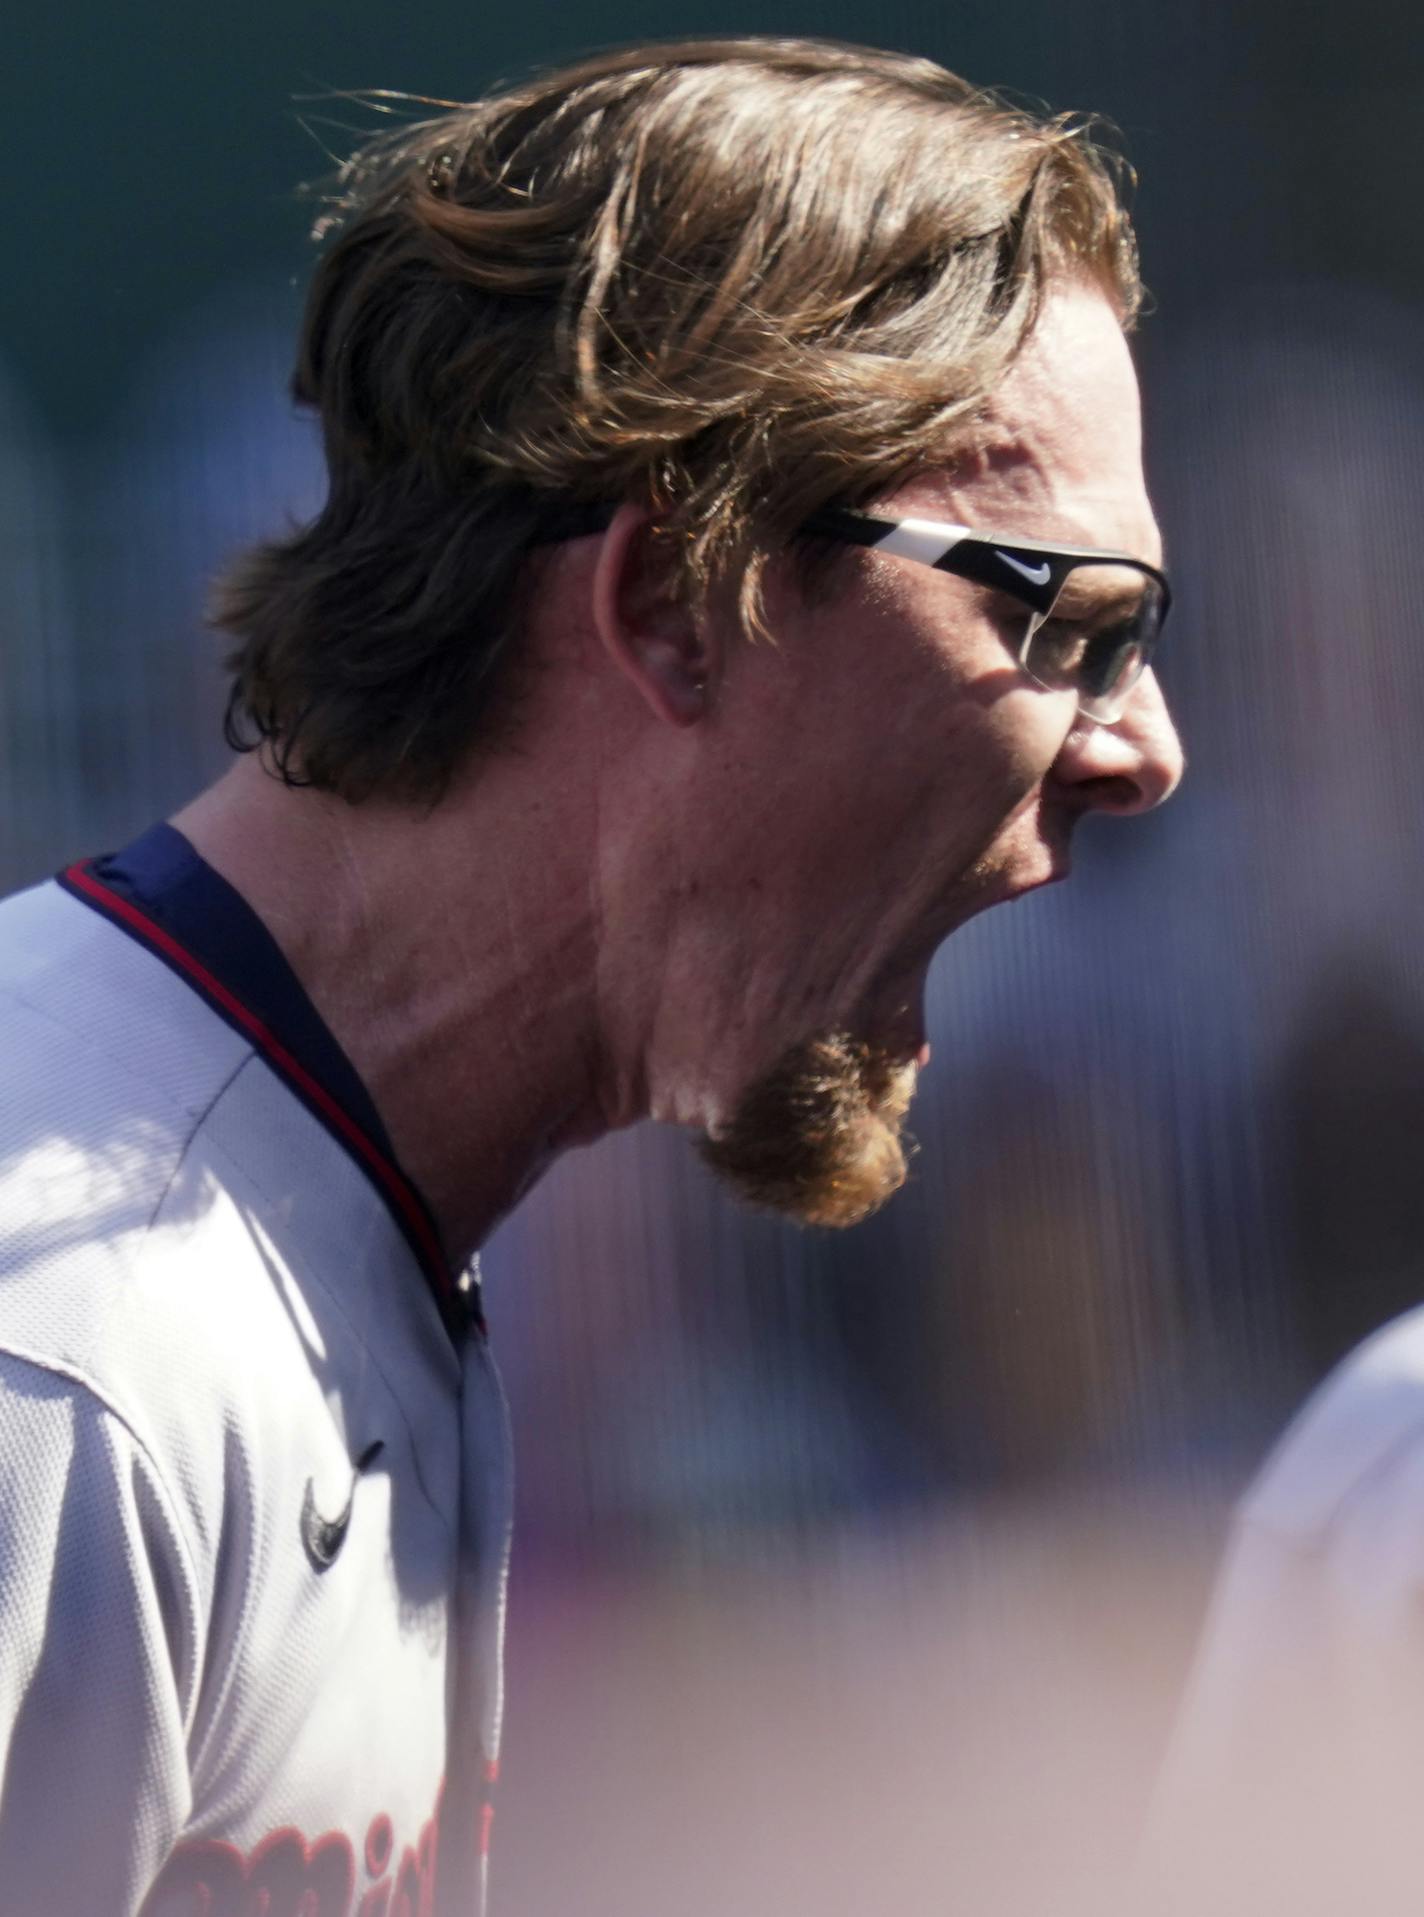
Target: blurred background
point(851, 1568)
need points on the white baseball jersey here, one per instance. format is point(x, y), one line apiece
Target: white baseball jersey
point(1295, 1783)
point(254, 1489)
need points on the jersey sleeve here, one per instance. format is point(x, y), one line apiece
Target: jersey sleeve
point(1294, 1778)
point(97, 1654)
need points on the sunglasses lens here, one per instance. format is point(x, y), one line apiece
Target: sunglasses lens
point(1098, 637)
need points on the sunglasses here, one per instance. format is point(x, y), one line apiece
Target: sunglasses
point(1094, 617)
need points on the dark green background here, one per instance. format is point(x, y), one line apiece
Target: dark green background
point(150, 151)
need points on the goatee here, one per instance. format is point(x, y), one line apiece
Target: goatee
point(820, 1137)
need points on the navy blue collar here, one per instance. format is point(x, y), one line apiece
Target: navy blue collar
point(161, 893)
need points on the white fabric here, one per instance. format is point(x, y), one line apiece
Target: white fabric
point(1296, 1777)
point(204, 1310)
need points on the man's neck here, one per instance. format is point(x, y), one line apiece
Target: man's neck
point(453, 955)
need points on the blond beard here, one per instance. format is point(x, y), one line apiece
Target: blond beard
point(820, 1138)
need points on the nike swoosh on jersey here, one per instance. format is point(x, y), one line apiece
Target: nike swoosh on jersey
point(322, 1538)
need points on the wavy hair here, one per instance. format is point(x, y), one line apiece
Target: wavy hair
point(735, 279)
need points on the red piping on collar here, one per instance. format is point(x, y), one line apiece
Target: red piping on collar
point(393, 1183)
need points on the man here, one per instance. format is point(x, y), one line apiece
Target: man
point(641, 711)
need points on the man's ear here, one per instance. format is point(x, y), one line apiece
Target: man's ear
point(653, 637)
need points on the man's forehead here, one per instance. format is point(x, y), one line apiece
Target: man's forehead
point(1057, 453)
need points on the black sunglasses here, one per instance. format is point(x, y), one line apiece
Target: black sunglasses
point(1095, 617)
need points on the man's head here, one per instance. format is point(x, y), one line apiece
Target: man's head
point(703, 292)
point(733, 279)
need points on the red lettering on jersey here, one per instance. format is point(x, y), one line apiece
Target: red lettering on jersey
point(380, 1842)
point(407, 1901)
point(202, 1878)
point(491, 1778)
point(427, 1854)
point(285, 1876)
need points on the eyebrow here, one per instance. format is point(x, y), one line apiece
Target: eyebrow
point(1082, 599)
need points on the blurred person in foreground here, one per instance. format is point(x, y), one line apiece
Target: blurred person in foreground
point(736, 573)
point(1293, 1779)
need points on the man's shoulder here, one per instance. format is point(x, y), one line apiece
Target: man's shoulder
point(122, 1229)
point(97, 1030)
point(178, 1232)
point(108, 1065)
point(1358, 1441)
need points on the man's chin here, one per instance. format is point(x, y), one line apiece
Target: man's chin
point(820, 1137)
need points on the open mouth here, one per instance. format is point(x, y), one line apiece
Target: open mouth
point(891, 1015)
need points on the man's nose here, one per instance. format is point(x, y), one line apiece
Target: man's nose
point(1128, 766)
